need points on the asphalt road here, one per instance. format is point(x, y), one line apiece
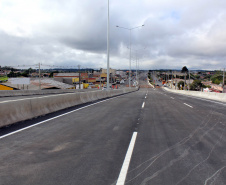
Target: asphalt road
point(180, 140)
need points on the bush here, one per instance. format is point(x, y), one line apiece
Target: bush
point(196, 85)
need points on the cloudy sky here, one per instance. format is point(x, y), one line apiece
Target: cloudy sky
point(177, 33)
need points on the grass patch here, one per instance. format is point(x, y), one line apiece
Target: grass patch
point(3, 78)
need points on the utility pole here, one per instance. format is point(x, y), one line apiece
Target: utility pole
point(168, 76)
point(39, 76)
point(79, 76)
point(171, 79)
point(189, 80)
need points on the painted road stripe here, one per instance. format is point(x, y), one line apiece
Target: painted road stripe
point(25, 128)
point(143, 105)
point(172, 98)
point(125, 166)
point(188, 105)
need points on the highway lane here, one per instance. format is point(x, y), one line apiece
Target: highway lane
point(84, 147)
point(175, 144)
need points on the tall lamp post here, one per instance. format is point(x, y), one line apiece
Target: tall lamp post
point(223, 80)
point(130, 29)
point(137, 62)
point(108, 49)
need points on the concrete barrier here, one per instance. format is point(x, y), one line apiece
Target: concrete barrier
point(15, 111)
point(8, 93)
point(207, 95)
point(35, 92)
point(93, 95)
point(84, 97)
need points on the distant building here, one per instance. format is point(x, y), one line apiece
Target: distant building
point(65, 77)
point(46, 83)
point(121, 73)
point(112, 71)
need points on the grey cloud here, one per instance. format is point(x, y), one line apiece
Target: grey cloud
point(176, 33)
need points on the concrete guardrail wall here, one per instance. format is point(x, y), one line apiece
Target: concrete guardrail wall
point(9, 93)
point(28, 108)
point(208, 95)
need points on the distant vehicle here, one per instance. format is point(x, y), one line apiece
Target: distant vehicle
point(122, 81)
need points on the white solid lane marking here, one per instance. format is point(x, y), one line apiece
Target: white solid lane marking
point(125, 166)
point(143, 105)
point(172, 98)
point(188, 105)
point(11, 133)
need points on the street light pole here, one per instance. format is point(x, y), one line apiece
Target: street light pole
point(129, 58)
point(137, 63)
point(223, 80)
point(130, 29)
point(39, 71)
point(136, 68)
point(79, 77)
point(108, 49)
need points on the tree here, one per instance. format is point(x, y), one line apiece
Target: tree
point(25, 73)
point(217, 78)
point(51, 74)
point(12, 74)
point(196, 85)
point(180, 83)
point(28, 72)
point(184, 70)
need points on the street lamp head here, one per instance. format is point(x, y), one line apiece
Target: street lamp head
point(143, 25)
point(116, 25)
